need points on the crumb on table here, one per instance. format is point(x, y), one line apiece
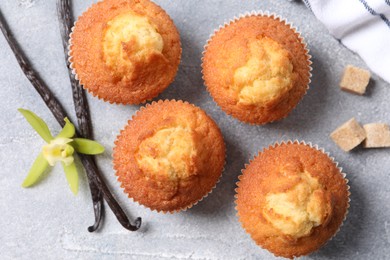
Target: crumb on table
point(349, 135)
point(378, 135)
point(355, 80)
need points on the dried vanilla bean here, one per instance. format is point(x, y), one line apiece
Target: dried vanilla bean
point(82, 110)
point(59, 113)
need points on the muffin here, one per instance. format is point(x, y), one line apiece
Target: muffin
point(169, 156)
point(125, 51)
point(291, 199)
point(256, 68)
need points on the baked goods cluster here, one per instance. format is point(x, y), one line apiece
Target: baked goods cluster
point(291, 198)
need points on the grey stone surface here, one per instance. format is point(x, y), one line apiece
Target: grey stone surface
point(48, 222)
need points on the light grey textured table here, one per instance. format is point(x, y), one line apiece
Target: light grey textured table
point(48, 222)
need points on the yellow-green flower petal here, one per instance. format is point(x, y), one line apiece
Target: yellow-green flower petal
point(37, 123)
point(39, 166)
point(68, 131)
point(86, 146)
point(72, 176)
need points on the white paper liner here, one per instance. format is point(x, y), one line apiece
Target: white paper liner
point(316, 147)
point(275, 17)
point(188, 206)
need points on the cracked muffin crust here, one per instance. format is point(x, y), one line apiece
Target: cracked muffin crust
point(125, 51)
point(256, 68)
point(169, 156)
point(292, 199)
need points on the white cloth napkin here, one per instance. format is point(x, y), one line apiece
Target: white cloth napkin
point(362, 25)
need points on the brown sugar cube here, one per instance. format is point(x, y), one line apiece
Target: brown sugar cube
point(349, 135)
point(378, 135)
point(355, 80)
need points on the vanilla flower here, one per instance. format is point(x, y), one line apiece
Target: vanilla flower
point(58, 149)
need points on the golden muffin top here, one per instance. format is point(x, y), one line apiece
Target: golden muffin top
point(267, 74)
point(125, 51)
point(169, 156)
point(256, 68)
point(292, 199)
point(128, 39)
point(297, 205)
point(169, 152)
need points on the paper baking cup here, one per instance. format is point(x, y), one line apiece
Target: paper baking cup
point(277, 18)
point(309, 144)
point(185, 208)
point(95, 94)
point(73, 70)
